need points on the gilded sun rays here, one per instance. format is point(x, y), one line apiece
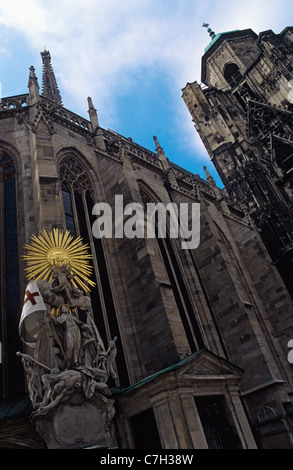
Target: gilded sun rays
point(56, 248)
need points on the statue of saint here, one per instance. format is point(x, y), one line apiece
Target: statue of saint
point(68, 357)
point(76, 336)
point(61, 282)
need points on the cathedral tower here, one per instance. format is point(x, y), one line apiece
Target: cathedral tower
point(243, 113)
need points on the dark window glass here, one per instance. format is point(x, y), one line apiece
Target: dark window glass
point(12, 370)
point(144, 430)
point(232, 74)
point(68, 210)
point(219, 432)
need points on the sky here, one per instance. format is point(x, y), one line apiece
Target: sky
point(132, 57)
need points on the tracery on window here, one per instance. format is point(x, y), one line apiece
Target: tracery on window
point(75, 176)
point(78, 201)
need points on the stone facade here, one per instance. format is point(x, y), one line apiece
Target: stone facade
point(201, 334)
point(243, 114)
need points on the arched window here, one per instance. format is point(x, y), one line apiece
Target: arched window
point(232, 74)
point(181, 293)
point(76, 191)
point(78, 202)
point(11, 368)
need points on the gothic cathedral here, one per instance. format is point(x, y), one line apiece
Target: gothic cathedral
point(201, 334)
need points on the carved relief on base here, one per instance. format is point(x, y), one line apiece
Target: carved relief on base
point(78, 423)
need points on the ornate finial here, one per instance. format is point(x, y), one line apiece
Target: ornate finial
point(161, 153)
point(93, 114)
point(33, 86)
point(158, 147)
point(208, 175)
point(212, 183)
point(50, 87)
point(90, 103)
point(32, 71)
point(211, 33)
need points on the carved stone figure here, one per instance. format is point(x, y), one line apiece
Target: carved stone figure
point(68, 366)
point(61, 282)
point(60, 386)
point(53, 296)
point(50, 298)
point(76, 336)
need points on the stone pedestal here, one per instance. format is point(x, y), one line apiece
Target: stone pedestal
point(78, 423)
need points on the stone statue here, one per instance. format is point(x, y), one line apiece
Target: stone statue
point(68, 366)
point(54, 296)
point(60, 386)
point(76, 336)
point(61, 282)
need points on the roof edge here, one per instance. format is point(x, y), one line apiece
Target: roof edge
point(218, 40)
point(122, 391)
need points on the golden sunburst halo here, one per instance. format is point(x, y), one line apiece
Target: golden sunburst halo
point(58, 248)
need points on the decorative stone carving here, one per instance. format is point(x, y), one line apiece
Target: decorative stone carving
point(265, 414)
point(78, 423)
point(68, 366)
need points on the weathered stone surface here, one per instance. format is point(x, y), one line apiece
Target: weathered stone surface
point(79, 425)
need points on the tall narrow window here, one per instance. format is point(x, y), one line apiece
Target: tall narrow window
point(12, 382)
point(78, 202)
point(68, 209)
point(180, 290)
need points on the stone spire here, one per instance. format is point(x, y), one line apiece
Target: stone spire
point(93, 114)
point(50, 88)
point(33, 86)
point(168, 170)
point(217, 192)
point(96, 130)
point(161, 153)
point(212, 182)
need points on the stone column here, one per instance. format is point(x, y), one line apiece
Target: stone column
point(171, 422)
point(193, 421)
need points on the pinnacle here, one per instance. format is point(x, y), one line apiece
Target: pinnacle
point(49, 84)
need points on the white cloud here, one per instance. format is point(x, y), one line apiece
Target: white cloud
point(98, 47)
point(102, 43)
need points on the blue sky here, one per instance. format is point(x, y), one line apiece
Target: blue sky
point(133, 57)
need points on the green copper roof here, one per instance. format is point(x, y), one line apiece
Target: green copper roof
point(216, 37)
